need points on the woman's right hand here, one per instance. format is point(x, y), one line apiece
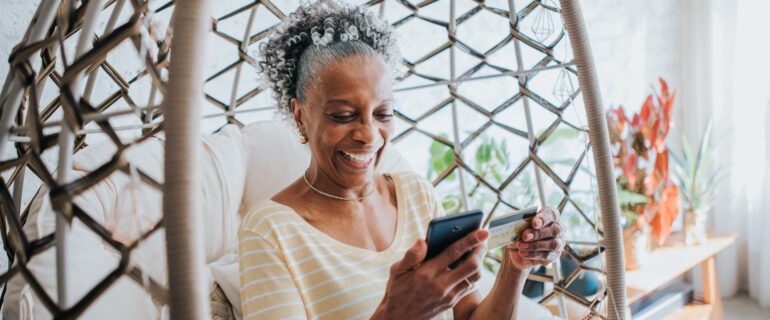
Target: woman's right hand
point(420, 289)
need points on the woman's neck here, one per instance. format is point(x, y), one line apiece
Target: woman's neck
point(327, 186)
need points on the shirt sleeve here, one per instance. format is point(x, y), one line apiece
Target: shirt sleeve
point(435, 207)
point(267, 288)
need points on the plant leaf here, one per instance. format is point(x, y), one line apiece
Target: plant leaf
point(629, 198)
point(667, 212)
point(701, 151)
point(688, 156)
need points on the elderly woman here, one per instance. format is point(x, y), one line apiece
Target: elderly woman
point(345, 242)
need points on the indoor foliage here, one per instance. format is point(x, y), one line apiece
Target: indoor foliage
point(647, 195)
point(695, 173)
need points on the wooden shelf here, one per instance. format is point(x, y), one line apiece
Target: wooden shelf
point(670, 261)
point(696, 310)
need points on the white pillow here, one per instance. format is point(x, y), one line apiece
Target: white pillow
point(221, 182)
point(274, 158)
point(225, 273)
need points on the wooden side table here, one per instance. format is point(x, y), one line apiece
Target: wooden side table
point(672, 260)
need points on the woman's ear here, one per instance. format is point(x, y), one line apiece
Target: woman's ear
point(298, 113)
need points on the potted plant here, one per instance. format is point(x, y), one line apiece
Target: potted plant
point(697, 181)
point(648, 197)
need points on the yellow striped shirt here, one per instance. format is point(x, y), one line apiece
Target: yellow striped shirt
point(291, 270)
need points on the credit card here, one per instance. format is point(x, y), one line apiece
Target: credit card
point(508, 228)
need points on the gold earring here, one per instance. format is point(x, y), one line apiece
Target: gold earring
point(302, 136)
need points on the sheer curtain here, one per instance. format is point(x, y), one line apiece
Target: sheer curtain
point(726, 78)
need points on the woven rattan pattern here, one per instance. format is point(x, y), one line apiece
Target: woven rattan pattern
point(44, 67)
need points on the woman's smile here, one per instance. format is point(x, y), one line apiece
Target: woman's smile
point(358, 160)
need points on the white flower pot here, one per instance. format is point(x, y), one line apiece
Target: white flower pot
point(636, 246)
point(695, 226)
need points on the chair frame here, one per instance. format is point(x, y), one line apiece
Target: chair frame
point(57, 20)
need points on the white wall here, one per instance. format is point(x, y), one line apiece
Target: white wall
point(634, 43)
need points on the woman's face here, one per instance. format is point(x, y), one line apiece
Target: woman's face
point(348, 119)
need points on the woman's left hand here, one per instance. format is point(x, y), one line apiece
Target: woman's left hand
point(541, 243)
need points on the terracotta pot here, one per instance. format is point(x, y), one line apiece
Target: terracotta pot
point(695, 226)
point(636, 246)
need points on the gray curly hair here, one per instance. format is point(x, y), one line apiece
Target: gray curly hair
point(314, 35)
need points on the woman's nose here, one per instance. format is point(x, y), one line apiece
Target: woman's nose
point(366, 131)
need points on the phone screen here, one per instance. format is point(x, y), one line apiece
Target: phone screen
point(444, 231)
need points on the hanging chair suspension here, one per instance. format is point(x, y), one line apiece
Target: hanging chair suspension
point(608, 201)
point(182, 108)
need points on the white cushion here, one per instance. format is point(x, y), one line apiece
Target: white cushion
point(225, 272)
point(111, 203)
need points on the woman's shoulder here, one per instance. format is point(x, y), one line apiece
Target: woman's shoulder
point(265, 214)
point(417, 190)
point(412, 182)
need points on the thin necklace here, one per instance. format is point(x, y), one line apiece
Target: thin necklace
point(304, 176)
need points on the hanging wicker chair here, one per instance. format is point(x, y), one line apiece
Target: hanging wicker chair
point(83, 64)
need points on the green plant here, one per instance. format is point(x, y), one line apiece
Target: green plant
point(491, 163)
point(628, 200)
point(694, 174)
point(441, 157)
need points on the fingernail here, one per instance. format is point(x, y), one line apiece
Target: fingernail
point(483, 235)
point(529, 236)
point(523, 245)
point(537, 222)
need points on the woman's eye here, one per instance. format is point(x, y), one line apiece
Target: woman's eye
point(385, 116)
point(342, 117)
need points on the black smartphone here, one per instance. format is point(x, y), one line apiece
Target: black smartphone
point(444, 231)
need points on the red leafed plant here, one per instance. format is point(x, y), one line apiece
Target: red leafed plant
point(645, 191)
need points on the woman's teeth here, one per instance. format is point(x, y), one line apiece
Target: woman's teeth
point(361, 157)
